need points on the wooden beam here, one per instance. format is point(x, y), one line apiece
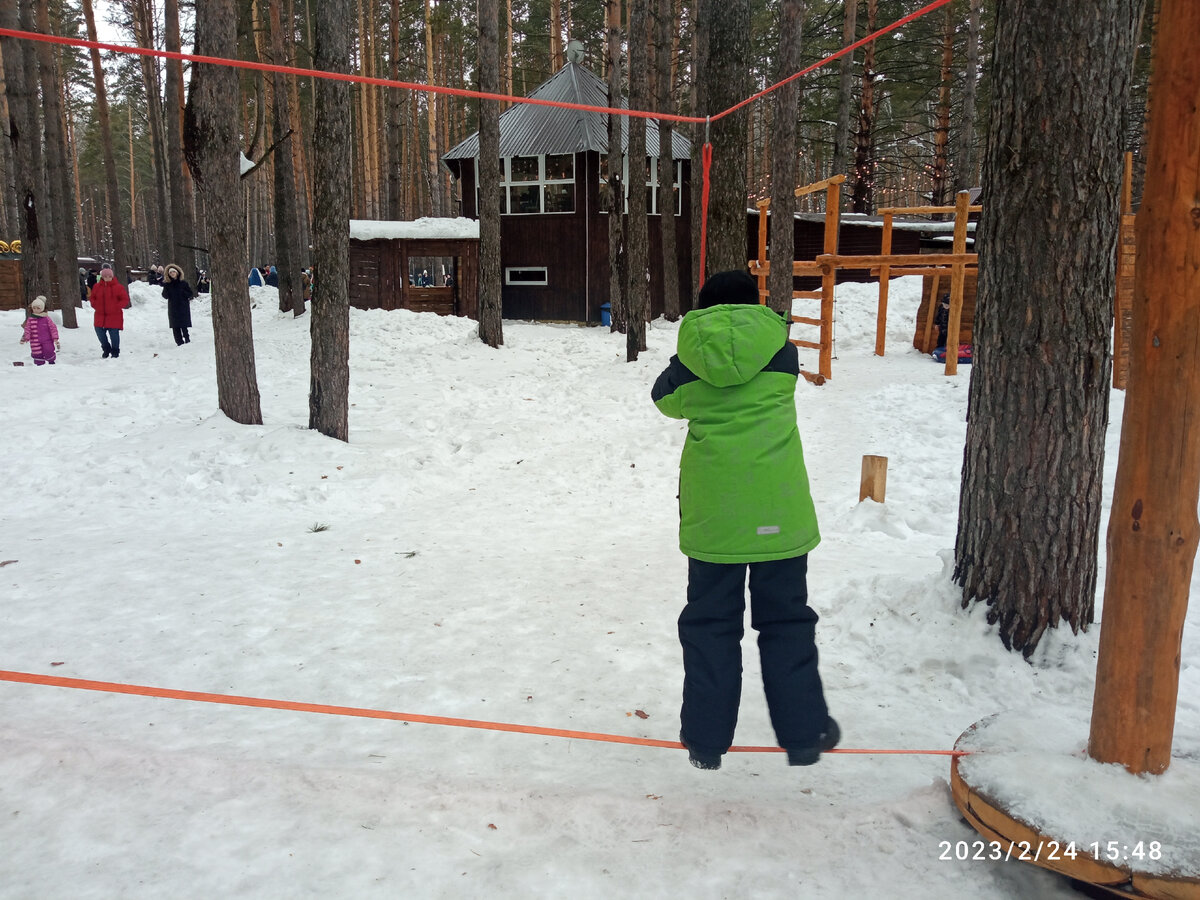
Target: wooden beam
point(925, 210)
point(870, 261)
point(816, 186)
point(1153, 532)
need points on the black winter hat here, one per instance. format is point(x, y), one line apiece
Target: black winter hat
point(735, 286)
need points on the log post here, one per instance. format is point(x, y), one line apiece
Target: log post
point(885, 249)
point(1153, 531)
point(954, 326)
point(873, 483)
point(833, 203)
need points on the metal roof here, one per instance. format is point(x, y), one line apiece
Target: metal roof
point(528, 130)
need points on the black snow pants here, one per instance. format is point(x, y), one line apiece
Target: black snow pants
point(711, 629)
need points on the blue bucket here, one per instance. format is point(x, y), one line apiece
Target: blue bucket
point(605, 315)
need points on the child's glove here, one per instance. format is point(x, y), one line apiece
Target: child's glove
point(24, 340)
point(56, 346)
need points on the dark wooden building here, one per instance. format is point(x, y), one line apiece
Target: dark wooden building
point(428, 265)
point(553, 232)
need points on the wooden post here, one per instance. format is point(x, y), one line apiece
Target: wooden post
point(927, 338)
point(881, 315)
point(873, 483)
point(1126, 268)
point(1153, 532)
point(961, 206)
point(833, 202)
point(762, 270)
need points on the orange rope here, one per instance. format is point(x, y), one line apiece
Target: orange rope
point(142, 690)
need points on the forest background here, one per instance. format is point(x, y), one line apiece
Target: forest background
point(904, 117)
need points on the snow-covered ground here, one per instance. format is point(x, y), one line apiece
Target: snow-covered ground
point(497, 541)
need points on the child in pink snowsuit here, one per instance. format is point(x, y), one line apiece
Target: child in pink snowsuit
point(40, 333)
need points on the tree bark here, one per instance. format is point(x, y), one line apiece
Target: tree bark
point(491, 329)
point(329, 392)
point(287, 222)
point(25, 136)
point(783, 161)
point(121, 257)
point(1030, 504)
point(211, 145)
point(941, 133)
point(183, 216)
point(62, 204)
point(639, 300)
point(664, 64)
point(839, 161)
point(617, 301)
point(967, 158)
point(728, 79)
point(863, 187)
point(143, 23)
point(700, 134)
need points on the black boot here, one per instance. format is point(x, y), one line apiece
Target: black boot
point(806, 756)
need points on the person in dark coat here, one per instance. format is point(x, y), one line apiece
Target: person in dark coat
point(272, 277)
point(179, 303)
point(941, 320)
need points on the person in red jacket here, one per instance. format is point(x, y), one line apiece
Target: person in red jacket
point(109, 298)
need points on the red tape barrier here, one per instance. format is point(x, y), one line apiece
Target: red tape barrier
point(142, 690)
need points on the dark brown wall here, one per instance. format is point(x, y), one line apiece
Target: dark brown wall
point(379, 276)
point(573, 245)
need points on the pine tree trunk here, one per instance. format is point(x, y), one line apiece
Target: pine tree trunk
point(25, 135)
point(700, 134)
point(966, 159)
point(639, 262)
point(783, 160)
point(863, 187)
point(1030, 505)
point(329, 392)
point(431, 104)
point(182, 191)
point(143, 19)
point(121, 258)
point(8, 190)
point(665, 27)
point(941, 132)
point(839, 161)
point(491, 330)
point(62, 204)
point(287, 223)
point(211, 145)
point(728, 82)
point(617, 300)
point(395, 119)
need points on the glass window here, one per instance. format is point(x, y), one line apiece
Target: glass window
point(528, 275)
point(525, 198)
point(539, 184)
point(560, 198)
point(560, 167)
point(523, 168)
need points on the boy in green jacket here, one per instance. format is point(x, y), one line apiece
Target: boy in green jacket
point(743, 503)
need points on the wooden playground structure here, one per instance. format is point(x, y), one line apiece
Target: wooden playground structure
point(954, 266)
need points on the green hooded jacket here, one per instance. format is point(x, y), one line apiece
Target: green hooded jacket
point(743, 488)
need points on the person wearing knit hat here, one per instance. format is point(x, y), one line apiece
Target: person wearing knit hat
point(179, 303)
point(40, 333)
point(109, 299)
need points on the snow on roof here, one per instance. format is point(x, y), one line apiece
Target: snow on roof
point(426, 227)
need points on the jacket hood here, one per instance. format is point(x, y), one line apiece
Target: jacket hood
point(730, 344)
